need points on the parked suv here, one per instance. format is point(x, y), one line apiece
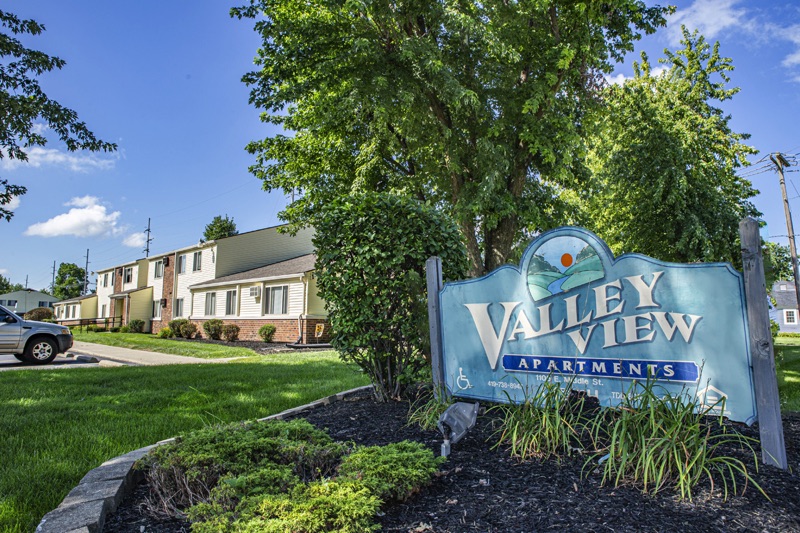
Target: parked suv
point(31, 341)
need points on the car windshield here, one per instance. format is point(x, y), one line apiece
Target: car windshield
point(6, 313)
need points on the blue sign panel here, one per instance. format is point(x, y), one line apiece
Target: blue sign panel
point(573, 313)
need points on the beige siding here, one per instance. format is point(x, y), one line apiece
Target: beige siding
point(141, 306)
point(257, 248)
point(88, 308)
point(316, 305)
point(294, 300)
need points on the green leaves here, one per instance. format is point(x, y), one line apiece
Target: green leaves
point(664, 160)
point(474, 107)
point(371, 253)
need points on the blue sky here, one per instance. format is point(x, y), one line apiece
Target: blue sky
point(162, 80)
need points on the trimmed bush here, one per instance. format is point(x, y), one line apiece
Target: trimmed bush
point(136, 325)
point(166, 333)
point(188, 330)
point(125, 329)
point(266, 332)
point(175, 326)
point(230, 332)
point(40, 314)
point(213, 328)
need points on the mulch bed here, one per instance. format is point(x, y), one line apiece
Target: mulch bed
point(485, 490)
point(260, 347)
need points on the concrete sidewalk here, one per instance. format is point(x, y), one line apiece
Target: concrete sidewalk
point(138, 357)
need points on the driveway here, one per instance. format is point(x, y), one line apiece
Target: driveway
point(9, 362)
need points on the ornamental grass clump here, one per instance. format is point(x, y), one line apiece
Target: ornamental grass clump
point(426, 410)
point(654, 440)
point(552, 422)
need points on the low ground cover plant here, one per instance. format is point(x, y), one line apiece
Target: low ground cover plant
point(281, 476)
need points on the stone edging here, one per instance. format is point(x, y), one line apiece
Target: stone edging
point(101, 490)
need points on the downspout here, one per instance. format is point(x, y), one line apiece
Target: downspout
point(305, 310)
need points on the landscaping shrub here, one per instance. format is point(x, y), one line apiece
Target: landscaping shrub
point(230, 332)
point(176, 325)
point(213, 328)
point(125, 329)
point(115, 329)
point(166, 333)
point(281, 476)
point(136, 325)
point(39, 313)
point(774, 328)
point(188, 330)
point(426, 410)
point(266, 332)
point(370, 270)
point(395, 471)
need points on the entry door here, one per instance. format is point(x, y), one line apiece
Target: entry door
point(10, 333)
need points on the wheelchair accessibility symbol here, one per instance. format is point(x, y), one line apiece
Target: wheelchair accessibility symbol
point(461, 381)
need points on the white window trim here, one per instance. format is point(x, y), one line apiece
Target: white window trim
point(128, 275)
point(210, 301)
point(181, 267)
point(197, 261)
point(235, 294)
point(786, 317)
point(156, 273)
point(267, 301)
point(177, 314)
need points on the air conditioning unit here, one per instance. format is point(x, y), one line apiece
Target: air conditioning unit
point(255, 292)
point(163, 302)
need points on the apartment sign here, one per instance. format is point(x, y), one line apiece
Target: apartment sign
point(573, 313)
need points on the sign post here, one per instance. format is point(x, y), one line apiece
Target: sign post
point(773, 449)
point(433, 273)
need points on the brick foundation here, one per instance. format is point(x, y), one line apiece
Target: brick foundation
point(286, 331)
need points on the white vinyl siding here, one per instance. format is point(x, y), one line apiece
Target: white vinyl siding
point(194, 307)
point(250, 306)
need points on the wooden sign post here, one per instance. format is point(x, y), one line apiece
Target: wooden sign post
point(773, 449)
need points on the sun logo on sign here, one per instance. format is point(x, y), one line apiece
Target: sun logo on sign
point(561, 264)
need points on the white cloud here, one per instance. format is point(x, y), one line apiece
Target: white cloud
point(3, 271)
point(792, 34)
point(619, 79)
point(12, 204)
point(710, 17)
point(135, 240)
point(77, 161)
point(40, 128)
point(87, 218)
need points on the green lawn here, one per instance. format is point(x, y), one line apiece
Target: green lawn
point(787, 359)
point(151, 343)
point(56, 425)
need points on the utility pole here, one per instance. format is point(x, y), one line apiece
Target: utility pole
point(86, 274)
point(53, 285)
point(780, 163)
point(148, 240)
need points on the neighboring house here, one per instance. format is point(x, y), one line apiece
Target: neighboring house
point(23, 301)
point(76, 311)
point(249, 279)
point(785, 311)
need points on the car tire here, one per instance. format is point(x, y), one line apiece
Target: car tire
point(40, 351)
point(20, 357)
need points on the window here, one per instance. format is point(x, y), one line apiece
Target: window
point(2, 302)
point(197, 260)
point(105, 279)
point(178, 306)
point(275, 300)
point(783, 287)
point(113, 277)
point(43, 304)
point(128, 275)
point(12, 303)
point(156, 308)
point(211, 303)
point(790, 316)
point(159, 270)
point(181, 264)
point(230, 302)
point(103, 311)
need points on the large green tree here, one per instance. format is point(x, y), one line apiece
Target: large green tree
point(664, 159)
point(777, 263)
point(220, 228)
point(23, 104)
point(69, 281)
point(474, 107)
